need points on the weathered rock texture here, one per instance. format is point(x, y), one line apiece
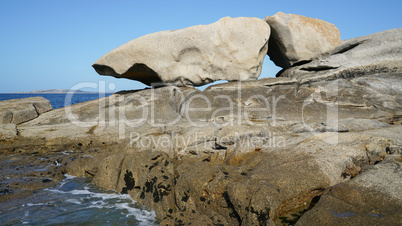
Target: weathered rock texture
point(251, 153)
point(372, 198)
point(261, 164)
point(8, 132)
point(296, 38)
point(17, 111)
point(376, 53)
point(230, 49)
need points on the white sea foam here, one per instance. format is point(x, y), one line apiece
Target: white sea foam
point(74, 201)
point(69, 177)
point(41, 169)
point(57, 163)
point(89, 198)
point(122, 202)
point(106, 196)
point(80, 192)
point(67, 152)
point(90, 156)
point(54, 190)
point(35, 204)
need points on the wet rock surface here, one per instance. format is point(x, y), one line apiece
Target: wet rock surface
point(24, 173)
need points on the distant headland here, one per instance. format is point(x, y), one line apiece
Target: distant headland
point(58, 91)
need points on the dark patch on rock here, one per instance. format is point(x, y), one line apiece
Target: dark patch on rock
point(318, 68)
point(219, 147)
point(153, 165)
point(185, 197)
point(149, 185)
point(163, 190)
point(130, 182)
point(180, 222)
point(89, 174)
point(292, 217)
point(6, 191)
point(388, 150)
point(262, 216)
point(234, 213)
point(155, 158)
point(346, 47)
point(155, 195)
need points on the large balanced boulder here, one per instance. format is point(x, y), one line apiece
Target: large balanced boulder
point(368, 55)
point(230, 49)
point(297, 38)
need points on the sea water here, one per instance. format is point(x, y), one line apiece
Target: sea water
point(74, 200)
point(57, 100)
point(77, 201)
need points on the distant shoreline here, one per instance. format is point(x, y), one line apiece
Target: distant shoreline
point(57, 91)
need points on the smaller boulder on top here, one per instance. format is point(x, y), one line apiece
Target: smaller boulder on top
point(296, 38)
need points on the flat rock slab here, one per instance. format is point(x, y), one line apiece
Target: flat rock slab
point(230, 49)
point(378, 53)
point(17, 111)
point(297, 38)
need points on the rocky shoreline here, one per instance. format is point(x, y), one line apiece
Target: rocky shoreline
point(320, 144)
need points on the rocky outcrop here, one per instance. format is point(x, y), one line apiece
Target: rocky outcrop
point(17, 111)
point(230, 49)
point(372, 54)
point(296, 38)
point(252, 153)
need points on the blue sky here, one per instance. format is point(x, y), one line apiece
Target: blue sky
point(51, 44)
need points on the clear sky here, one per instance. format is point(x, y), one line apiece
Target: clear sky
point(51, 44)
